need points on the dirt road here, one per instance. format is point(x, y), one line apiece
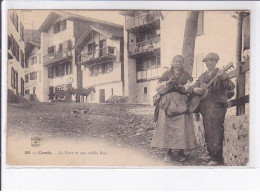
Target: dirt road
point(122, 130)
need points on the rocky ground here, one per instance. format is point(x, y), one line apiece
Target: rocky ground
point(123, 125)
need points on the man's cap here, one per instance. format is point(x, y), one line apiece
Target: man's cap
point(211, 56)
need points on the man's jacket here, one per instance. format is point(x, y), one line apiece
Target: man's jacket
point(219, 90)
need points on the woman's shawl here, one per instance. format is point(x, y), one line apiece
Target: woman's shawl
point(169, 101)
point(182, 78)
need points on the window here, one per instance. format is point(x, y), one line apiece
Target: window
point(27, 91)
point(51, 49)
point(148, 68)
point(59, 26)
point(26, 78)
point(145, 90)
point(200, 27)
point(33, 76)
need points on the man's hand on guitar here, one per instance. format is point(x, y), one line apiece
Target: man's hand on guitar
point(224, 76)
point(198, 91)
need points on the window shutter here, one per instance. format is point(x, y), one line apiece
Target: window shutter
point(69, 44)
point(50, 73)
point(60, 46)
point(12, 77)
point(40, 58)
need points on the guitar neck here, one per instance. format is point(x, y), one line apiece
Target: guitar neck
point(212, 80)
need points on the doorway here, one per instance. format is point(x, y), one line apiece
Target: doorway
point(102, 95)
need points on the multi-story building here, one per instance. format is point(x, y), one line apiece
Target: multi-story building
point(33, 70)
point(100, 53)
point(59, 33)
point(144, 54)
point(154, 38)
point(16, 58)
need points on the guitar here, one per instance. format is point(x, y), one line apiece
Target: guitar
point(195, 100)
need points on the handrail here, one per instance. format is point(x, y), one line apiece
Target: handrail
point(138, 21)
point(144, 46)
point(58, 52)
point(152, 12)
point(56, 55)
point(105, 52)
point(151, 40)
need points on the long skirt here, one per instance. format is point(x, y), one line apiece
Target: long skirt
point(174, 132)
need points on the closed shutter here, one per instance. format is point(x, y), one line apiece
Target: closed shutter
point(12, 77)
point(50, 72)
point(69, 44)
point(16, 82)
point(65, 44)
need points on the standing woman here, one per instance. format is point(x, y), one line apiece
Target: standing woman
point(173, 129)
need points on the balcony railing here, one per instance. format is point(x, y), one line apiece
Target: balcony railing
point(57, 56)
point(145, 46)
point(141, 20)
point(98, 55)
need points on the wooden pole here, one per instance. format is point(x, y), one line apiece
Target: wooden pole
point(240, 85)
point(190, 34)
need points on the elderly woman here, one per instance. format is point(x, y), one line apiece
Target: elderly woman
point(173, 127)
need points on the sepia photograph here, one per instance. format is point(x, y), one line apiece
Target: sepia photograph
point(127, 88)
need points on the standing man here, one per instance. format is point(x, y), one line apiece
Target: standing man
point(214, 107)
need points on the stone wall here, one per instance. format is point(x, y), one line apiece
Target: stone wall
point(236, 140)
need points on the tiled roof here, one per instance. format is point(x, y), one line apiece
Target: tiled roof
point(57, 13)
point(110, 32)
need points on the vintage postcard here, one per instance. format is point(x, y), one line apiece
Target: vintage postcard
point(128, 88)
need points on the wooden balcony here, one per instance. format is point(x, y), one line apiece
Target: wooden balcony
point(57, 56)
point(97, 56)
point(145, 48)
point(146, 21)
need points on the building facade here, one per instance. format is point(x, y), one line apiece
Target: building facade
point(143, 68)
point(154, 38)
point(59, 34)
point(16, 57)
point(100, 55)
point(33, 72)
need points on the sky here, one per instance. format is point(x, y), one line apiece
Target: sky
point(34, 18)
